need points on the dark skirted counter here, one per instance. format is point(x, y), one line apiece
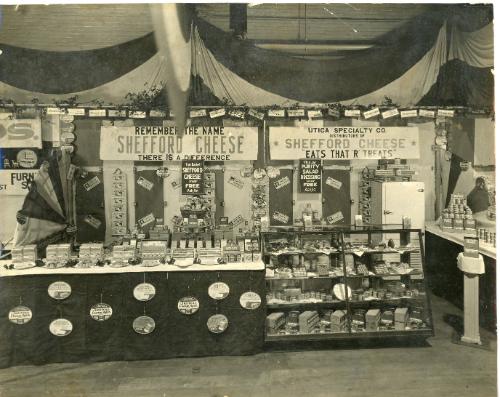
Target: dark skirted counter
point(132, 313)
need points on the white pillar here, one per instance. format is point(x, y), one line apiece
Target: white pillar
point(472, 268)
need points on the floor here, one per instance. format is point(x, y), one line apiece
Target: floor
point(440, 369)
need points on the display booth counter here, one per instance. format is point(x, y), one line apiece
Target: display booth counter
point(132, 313)
point(446, 281)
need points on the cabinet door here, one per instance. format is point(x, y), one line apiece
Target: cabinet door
point(336, 192)
point(149, 197)
point(404, 199)
point(281, 199)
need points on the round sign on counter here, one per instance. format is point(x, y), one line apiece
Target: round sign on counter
point(339, 291)
point(27, 158)
point(218, 290)
point(188, 305)
point(60, 327)
point(250, 300)
point(59, 290)
point(217, 323)
point(101, 312)
point(20, 315)
point(144, 325)
point(144, 292)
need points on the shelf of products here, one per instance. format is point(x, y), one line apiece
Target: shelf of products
point(345, 283)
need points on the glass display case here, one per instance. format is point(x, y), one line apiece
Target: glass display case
point(345, 283)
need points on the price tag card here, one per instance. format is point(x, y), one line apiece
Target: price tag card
point(238, 114)
point(148, 185)
point(276, 112)
point(352, 113)
point(217, 113)
point(237, 221)
point(91, 183)
point(427, 113)
point(408, 113)
point(390, 113)
point(236, 182)
point(296, 112)
point(314, 114)
point(280, 217)
point(371, 113)
point(256, 114)
point(446, 112)
point(97, 112)
point(137, 115)
point(334, 218)
point(93, 221)
point(146, 220)
point(76, 111)
point(282, 182)
point(333, 183)
point(197, 113)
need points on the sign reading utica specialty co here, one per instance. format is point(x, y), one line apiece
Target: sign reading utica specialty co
point(343, 143)
point(157, 143)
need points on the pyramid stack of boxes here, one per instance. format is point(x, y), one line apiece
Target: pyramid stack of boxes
point(458, 215)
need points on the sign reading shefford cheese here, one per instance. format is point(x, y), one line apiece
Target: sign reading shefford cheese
point(343, 143)
point(157, 143)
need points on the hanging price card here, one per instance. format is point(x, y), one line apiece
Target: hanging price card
point(91, 183)
point(282, 182)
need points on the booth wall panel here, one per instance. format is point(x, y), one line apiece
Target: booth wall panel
point(88, 135)
point(149, 201)
point(280, 200)
point(90, 203)
point(335, 200)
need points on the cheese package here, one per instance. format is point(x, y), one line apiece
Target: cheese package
point(372, 319)
point(274, 322)
point(308, 320)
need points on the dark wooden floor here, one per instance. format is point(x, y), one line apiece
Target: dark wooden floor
point(440, 369)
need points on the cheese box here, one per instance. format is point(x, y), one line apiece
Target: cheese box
point(401, 315)
point(458, 224)
point(372, 319)
point(274, 322)
point(471, 246)
point(308, 320)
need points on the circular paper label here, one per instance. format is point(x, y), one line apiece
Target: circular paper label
point(101, 312)
point(59, 290)
point(273, 172)
point(27, 158)
point(250, 300)
point(60, 327)
point(144, 292)
point(67, 137)
point(20, 315)
point(259, 173)
point(66, 118)
point(217, 323)
point(246, 172)
point(339, 291)
point(218, 290)
point(188, 305)
point(144, 325)
point(66, 128)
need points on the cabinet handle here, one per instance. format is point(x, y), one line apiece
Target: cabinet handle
point(387, 212)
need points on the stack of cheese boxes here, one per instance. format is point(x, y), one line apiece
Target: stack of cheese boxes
point(58, 252)
point(25, 253)
point(123, 253)
point(91, 252)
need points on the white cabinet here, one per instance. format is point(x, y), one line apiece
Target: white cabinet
point(393, 200)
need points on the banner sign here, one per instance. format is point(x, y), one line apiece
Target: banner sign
point(192, 177)
point(21, 133)
point(343, 143)
point(157, 143)
point(16, 182)
point(310, 176)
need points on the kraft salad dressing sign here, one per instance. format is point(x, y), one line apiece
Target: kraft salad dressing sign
point(343, 143)
point(157, 143)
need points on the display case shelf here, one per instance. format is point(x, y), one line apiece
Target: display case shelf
point(409, 306)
